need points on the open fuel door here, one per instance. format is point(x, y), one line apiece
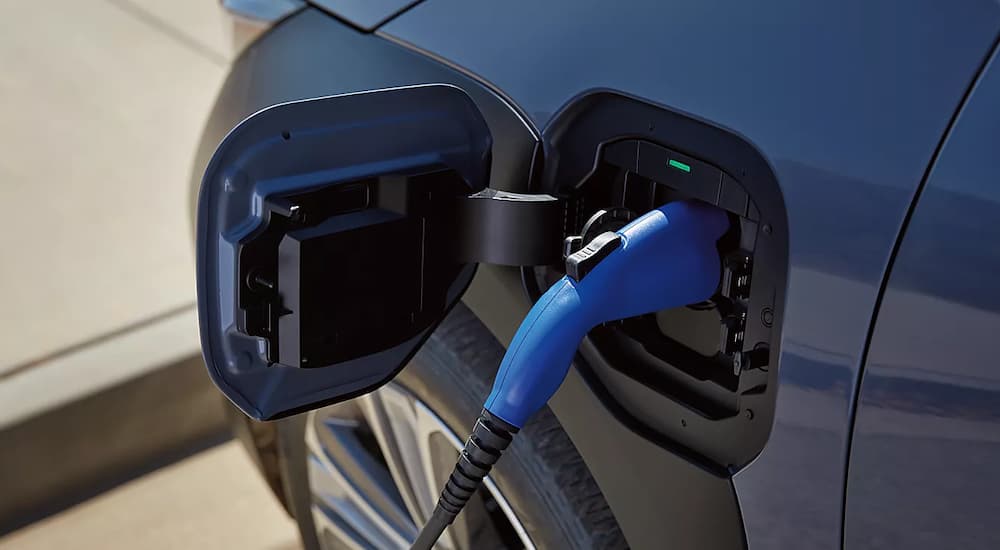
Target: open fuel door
point(327, 249)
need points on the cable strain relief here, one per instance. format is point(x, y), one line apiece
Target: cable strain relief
point(483, 449)
point(487, 442)
point(497, 423)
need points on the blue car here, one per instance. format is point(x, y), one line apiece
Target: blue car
point(386, 188)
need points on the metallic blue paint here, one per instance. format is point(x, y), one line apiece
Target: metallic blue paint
point(927, 432)
point(848, 100)
point(667, 258)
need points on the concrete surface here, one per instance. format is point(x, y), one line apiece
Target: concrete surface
point(115, 358)
point(103, 104)
point(75, 451)
point(212, 500)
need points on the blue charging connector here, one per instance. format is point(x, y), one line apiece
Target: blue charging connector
point(666, 258)
point(663, 259)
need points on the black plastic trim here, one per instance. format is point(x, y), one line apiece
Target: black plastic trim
point(505, 228)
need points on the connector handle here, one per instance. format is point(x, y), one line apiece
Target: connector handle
point(667, 258)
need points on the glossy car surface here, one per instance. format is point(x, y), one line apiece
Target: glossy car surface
point(880, 124)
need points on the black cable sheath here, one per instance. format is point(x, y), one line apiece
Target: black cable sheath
point(489, 438)
point(433, 529)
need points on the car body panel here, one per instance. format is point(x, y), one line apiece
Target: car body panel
point(847, 100)
point(302, 58)
point(927, 430)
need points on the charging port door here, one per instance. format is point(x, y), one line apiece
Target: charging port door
point(325, 242)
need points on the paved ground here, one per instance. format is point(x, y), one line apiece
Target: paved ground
point(103, 104)
point(212, 500)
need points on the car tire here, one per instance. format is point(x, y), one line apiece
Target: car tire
point(541, 476)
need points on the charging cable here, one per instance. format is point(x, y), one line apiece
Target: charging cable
point(666, 258)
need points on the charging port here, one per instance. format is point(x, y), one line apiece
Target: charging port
point(697, 379)
point(696, 355)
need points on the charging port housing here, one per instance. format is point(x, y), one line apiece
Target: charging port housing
point(694, 354)
point(697, 379)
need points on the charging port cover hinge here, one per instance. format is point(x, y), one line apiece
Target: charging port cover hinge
point(504, 228)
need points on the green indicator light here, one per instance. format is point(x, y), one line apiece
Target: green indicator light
point(679, 165)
